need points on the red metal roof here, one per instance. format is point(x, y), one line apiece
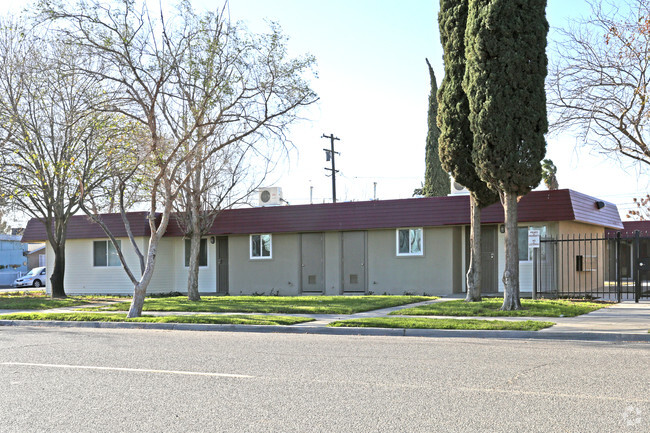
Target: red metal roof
point(629, 227)
point(81, 227)
point(558, 205)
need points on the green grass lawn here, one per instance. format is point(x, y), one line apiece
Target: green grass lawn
point(422, 323)
point(102, 317)
point(274, 304)
point(490, 307)
point(36, 301)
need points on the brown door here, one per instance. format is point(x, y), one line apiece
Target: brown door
point(354, 262)
point(312, 263)
point(489, 261)
point(222, 265)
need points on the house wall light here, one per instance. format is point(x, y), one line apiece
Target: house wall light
point(600, 204)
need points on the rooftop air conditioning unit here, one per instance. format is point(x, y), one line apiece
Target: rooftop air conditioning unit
point(271, 196)
point(458, 189)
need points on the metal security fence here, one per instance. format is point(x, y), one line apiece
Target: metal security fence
point(615, 268)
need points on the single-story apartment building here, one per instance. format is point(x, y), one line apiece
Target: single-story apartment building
point(418, 245)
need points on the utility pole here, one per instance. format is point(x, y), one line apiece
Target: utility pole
point(329, 155)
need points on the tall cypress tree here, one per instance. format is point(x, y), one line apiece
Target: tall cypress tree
point(456, 141)
point(436, 180)
point(504, 80)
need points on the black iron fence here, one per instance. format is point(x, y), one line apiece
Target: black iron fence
point(615, 268)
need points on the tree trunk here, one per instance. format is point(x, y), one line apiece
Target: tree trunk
point(58, 273)
point(474, 271)
point(139, 292)
point(511, 275)
point(193, 275)
point(140, 289)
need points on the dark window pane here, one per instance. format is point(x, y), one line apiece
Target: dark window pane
point(523, 243)
point(99, 253)
point(203, 253)
point(255, 246)
point(403, 242)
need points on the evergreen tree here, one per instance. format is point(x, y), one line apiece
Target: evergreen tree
point(549, 171)
point(436, 180)
point(504, 80)
point(456, 140)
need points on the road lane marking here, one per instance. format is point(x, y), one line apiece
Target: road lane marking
point(135, 370)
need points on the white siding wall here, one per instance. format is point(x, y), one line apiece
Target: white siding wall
point(81, 277)
point(207, 274)
point(164, 275)
point(170, 273)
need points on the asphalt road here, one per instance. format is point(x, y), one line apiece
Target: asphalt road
point(82, 380)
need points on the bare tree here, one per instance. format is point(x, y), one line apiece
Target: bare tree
point(599, 83)
point(52, 145)
point(642, 210)
point(220, 181)
point(243, 91)
point(187, 85)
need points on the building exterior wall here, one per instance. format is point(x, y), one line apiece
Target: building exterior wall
point(170, 273)
point(569, 278)
point(525, 266)
point(164, 279)
point(438, 271)
point(36, 259)
point(81, 277)
point(279, 274)
point(332, 263)
point(430, 273)
point(11, 255)
point(458, 259)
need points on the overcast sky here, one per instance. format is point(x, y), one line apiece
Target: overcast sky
point(373, 86)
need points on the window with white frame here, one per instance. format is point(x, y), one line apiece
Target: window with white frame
point(526, 253)
point(261, 246)
point(203, 252)
point(409, 242)
point(105, 254)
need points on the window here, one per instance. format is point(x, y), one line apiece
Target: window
point(203, 252)
point(104, 253)
point(261, 246)
point(525, 253)
point(409, 242)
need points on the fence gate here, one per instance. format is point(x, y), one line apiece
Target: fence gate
point(614, 268)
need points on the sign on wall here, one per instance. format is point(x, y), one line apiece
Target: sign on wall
point(533, 238)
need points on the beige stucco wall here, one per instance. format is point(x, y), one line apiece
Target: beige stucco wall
point(568, 278)
point(555, 229)
point(431, 273)
point(387, 272)
point(332, 263)
point(278, 275)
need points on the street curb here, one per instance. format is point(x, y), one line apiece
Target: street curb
point(323, 330)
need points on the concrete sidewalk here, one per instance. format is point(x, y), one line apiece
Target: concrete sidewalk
point(627, 321)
